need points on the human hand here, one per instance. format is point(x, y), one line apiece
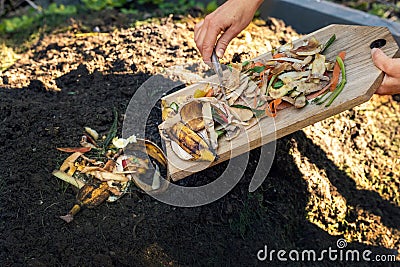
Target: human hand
point(229, 19)
point(391, 68)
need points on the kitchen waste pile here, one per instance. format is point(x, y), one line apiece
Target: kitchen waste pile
point(250, 91)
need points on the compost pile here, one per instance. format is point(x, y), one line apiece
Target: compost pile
point(338, 178)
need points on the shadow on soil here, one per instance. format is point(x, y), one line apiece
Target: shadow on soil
point(137, 230)
point(367, 200)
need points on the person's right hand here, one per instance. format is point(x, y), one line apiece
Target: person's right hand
point(229, 19)
point(391, 67)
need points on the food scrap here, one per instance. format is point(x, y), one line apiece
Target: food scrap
point(290, 77)
point(102, 170)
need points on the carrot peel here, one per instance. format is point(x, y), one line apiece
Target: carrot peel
point(272, 107)
point(336, 71)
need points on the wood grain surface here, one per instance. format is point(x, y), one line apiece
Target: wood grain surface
point(363, 78)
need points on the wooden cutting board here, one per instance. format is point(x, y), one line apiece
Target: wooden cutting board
point(363, 78)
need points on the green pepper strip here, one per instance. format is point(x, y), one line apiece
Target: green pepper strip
point(328, 44)
point(258, 69)
point(278, 84)
point(244, 64)
point(322, 99)
point(342, 83)
point(220, 132)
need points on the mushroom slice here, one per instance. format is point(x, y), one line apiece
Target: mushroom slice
point(243, 77)
point(287, 59)
point(239, 90)
point(209, 125)
point(252, 86)
point(251, 95)
point(315, 87)
point(303, 86)
point(288, 99)
point(242, 114)
point(329, 66)
point(288, 77)
point(318, 65)
point(253, 122)
point(238, 122)
point(294, 94)
point(231, 81)
point(281, 67)
point(311, 48)
point(108, 176)
point(297, 66)
point(301, 65)
point(192, 115)
point(310, 53)
point(250, 91)
point(318, 77)
point(286, 47)
point(300, 101)
point(232, 131)
point(308, 88)
point(245, 86)
point(182, 154)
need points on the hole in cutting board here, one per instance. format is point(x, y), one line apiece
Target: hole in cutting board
point(379, 43)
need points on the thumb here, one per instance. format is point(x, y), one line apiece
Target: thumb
point(380, 58)
point(224, 41)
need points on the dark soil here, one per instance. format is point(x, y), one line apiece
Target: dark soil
point(338, 178)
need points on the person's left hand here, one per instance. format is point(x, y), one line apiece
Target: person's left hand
point(391, 67)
